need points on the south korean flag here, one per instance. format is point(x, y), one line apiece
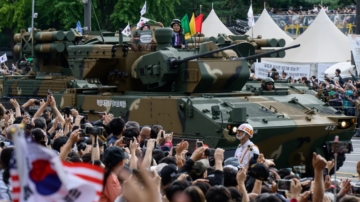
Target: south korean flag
point(142, 22)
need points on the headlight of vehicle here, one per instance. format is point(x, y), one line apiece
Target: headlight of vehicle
point(343, 124)
point(232, 129)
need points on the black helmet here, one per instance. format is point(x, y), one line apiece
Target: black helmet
point(268, 80)
point(175, 21)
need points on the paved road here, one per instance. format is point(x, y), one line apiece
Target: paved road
point(348, 170)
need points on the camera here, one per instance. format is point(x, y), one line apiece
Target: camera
point(37, 102)
point(355, 190)
point(209, 152)
point(28, 126)
point(199, 144)
point(81, 146)
point(283, 185)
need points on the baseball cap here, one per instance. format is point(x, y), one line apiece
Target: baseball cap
point(167, 173)
point(198, 169)
point(113, 155)
point(205, 162)
point(259, 171)
point(232, 161)
point(158, 168)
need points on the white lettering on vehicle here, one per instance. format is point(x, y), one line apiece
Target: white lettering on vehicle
point(111, 103)
point(330, 127)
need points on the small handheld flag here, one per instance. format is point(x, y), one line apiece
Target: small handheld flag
point(143, 10)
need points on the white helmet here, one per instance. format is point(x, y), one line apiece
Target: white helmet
point(247, 128)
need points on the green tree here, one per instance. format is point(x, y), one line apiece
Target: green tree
point(15, 15)
point(58, 14)
point(129, 11)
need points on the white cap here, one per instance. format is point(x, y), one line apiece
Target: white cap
point(247, 128)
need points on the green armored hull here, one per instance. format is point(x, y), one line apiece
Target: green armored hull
point(202, 93)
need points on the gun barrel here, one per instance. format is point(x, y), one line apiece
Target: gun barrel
point(174, 61)
point(268, 53)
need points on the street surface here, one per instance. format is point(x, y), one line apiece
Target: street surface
point(348, 170)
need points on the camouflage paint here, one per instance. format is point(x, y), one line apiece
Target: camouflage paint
point(144, 87)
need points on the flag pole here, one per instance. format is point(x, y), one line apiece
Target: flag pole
point(252, 28)
point(32, 28)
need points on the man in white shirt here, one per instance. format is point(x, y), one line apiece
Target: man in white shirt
point(247, 150)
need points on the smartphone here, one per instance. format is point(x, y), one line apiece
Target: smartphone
point(58, 127)
point(146, 141)
point(163, 134)
point(94, 130)
point(299, 169)
point(199, 144)
point(49, 92)
point(67, 111)
point(283, 185)
point(355, 190)
point(209, 152)
point(101, 114)
point(127, 140)
point(341, 147)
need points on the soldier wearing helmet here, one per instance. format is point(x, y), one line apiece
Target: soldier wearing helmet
point(178, 39)
point(247, 152)
point(268, 84)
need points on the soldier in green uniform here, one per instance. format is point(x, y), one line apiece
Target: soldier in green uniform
point(268, 84)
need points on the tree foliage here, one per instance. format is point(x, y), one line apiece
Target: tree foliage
point(115, 14)
point(14, 14)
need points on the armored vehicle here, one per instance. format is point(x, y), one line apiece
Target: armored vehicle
point(202, 93)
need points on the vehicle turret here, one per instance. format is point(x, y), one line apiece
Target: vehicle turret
point(198, 93)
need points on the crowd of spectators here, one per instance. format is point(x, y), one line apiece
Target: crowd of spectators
point(342, 95)
point(5, 70)
point(296, 21)
point(142, 164)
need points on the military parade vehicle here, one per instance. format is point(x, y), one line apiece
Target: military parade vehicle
point(198, 93)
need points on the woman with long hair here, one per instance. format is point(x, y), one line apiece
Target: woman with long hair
point(114, 161)
point(5, 173)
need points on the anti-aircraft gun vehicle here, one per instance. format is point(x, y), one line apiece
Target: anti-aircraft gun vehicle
point(197, 94)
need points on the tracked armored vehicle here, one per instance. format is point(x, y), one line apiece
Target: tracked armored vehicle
point(197, 94)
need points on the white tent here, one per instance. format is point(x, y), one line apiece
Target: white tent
point(322, 45)
point(322, 42)
point(267, 28)
point(212, 26)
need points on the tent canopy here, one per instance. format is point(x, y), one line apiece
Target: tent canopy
point(212, 26)
point(322, 42)
point(267, 28)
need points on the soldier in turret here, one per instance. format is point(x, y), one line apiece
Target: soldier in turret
point(178, 39)
point(268, 84)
